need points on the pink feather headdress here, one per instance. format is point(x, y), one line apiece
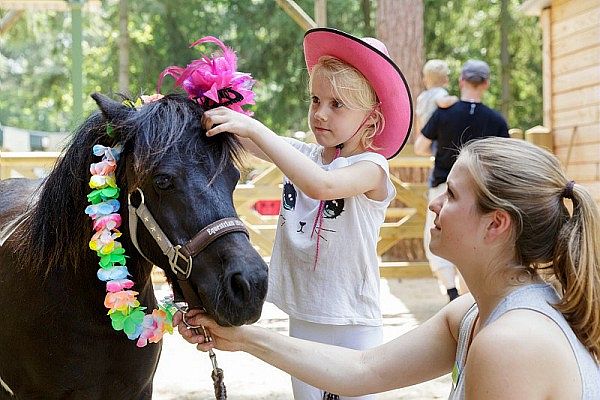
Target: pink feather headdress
point(214, 81)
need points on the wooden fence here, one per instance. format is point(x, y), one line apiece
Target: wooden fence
point(404, 219)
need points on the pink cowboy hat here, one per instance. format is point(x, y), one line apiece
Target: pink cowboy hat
point(371, 58)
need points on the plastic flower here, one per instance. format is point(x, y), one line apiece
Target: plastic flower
point(151, 98)
point(129, 323)
point(102, 181)
point(100, 195)
point(111, 274)
point(110, 222)
point(117, 285)
point(121, 301)
point(103, 208)
point(103, 168)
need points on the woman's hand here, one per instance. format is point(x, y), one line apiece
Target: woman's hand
point(223, 119)
point(224, 338)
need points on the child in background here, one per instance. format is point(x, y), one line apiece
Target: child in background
point(324, 270)
point(435, 78)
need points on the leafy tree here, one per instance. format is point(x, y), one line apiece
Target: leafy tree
point(457, 30)
point(35, 89)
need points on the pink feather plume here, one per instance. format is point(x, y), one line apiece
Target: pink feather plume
point(214, 80)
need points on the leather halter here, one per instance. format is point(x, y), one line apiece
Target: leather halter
point(184, 252)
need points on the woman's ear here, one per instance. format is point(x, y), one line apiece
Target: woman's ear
point(499, 225)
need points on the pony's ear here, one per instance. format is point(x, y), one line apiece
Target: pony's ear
point(112, 110)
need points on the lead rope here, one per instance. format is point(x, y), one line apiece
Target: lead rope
point(217, 373)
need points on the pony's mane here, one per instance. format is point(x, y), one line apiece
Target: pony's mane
point(56, 231)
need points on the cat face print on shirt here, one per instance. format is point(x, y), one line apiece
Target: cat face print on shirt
point(289, 196)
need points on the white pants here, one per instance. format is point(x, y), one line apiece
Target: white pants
point(357, 337)
point(444, 271)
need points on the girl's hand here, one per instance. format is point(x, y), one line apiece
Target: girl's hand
point(224, 338)
point(223, 119)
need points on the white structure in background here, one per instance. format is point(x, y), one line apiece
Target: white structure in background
point(17, 139)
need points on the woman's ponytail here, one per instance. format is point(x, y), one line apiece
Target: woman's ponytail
point(576, 264)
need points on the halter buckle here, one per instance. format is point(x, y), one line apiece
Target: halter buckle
point(174, 257)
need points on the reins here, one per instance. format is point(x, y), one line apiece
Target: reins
point(185, 253)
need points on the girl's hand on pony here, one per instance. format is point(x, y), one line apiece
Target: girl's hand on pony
point(223, 338)
point(223, 119)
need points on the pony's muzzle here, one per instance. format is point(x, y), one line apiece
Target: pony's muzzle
point(238, 287)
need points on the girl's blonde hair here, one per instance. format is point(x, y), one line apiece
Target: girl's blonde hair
point(354, 91)
point(529, 183)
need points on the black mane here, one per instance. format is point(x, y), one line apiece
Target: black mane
point(57, 231)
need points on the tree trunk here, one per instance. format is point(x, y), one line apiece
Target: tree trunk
point(400, 27)
point(123, 48)
point(505, 22)
point(365, 7)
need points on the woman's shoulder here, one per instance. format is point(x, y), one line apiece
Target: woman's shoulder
point(523, 347)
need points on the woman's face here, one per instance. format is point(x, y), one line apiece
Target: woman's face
point(459, 227)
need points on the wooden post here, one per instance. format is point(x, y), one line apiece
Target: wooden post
point(297, 14)
point(76, 60)
point(9, 20)
point(123, 47)
point(321, 12)
point(547, 67)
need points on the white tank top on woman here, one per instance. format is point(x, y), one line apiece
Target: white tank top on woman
point(536, 297)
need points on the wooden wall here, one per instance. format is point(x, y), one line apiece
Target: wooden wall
point(573, 80)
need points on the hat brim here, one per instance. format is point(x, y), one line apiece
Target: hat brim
point(382, 73)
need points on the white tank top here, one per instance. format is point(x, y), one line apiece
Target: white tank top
point(537, 297)
point(343, 288)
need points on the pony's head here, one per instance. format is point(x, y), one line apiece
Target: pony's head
point(186, 181)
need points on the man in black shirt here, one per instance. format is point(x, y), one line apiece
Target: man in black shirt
point(452, 127)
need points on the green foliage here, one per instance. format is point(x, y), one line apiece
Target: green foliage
point(458, 30)
point(35, 70)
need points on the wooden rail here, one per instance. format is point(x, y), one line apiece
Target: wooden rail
point(401, 222)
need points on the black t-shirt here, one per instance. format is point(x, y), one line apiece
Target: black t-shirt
point(454, 126)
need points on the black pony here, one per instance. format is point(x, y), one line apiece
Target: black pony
point(56, 340)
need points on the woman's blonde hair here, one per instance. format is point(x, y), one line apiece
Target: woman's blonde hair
point(529, 183)
point(354, 91)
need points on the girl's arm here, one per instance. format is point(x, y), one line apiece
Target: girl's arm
point(419, 355)
point(311, 179)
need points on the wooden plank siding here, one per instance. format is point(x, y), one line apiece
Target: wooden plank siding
point(574, 83)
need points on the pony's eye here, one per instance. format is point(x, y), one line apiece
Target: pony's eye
point(163, 182)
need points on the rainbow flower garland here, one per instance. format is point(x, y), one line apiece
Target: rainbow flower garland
point(124, 309)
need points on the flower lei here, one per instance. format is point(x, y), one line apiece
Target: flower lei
point(124, 309)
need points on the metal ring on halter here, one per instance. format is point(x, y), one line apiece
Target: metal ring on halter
point(141, 194)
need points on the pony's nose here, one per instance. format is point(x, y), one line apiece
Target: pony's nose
point(239, 287)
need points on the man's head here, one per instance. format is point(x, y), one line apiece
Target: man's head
point(475, 72)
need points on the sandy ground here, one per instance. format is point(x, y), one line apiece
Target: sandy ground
point(184, 373)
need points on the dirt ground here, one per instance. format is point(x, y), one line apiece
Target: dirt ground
point(184, 373)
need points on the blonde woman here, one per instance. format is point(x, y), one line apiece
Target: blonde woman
point(504, 222)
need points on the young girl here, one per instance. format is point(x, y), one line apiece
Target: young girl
point(324, 269)
point(514, 336)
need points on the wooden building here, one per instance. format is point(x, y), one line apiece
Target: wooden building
point(571, 68)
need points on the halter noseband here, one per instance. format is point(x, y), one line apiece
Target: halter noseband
point(184, 252)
